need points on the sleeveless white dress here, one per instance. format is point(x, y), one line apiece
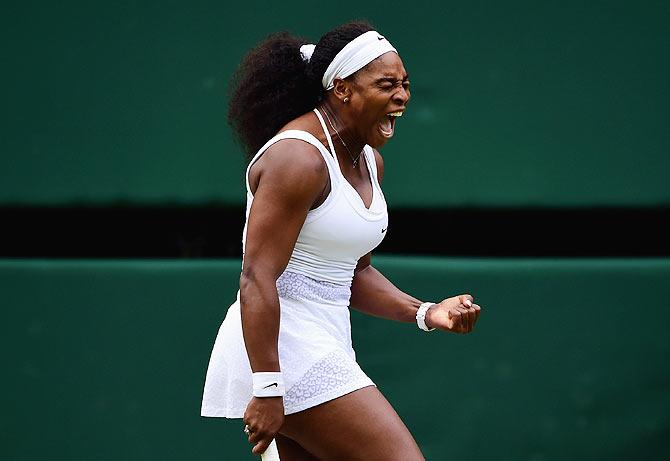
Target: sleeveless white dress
point(316, 355)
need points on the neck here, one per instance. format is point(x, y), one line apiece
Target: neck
point(353, 144)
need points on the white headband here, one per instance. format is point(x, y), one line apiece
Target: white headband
point(354, 56)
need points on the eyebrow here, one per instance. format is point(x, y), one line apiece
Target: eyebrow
point(391, 79)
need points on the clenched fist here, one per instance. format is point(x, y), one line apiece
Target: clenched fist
point(458, 314)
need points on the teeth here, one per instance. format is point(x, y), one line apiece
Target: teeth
point(396, 114)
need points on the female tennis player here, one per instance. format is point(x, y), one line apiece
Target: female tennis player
point(312, 118)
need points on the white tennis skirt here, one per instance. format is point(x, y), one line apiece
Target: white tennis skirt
point(316, 356)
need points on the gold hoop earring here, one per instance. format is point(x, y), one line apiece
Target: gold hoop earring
point(346, 100)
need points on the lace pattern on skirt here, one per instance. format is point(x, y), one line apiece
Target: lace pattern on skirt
point(300, 287)
point(335, 371)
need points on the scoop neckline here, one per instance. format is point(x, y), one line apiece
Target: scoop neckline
point(331, 149)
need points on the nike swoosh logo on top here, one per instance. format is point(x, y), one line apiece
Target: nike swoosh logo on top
point(270, 385)
point(379, 37)
point(384, 230)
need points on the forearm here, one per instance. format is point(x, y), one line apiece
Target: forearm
point(374, 294)
point(259, 307)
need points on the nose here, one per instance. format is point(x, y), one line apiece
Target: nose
point(401, 96)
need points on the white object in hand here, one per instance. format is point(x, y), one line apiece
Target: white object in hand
point(271, 454)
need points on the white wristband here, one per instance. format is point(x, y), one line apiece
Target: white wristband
point(421, 316)
point(268, 384)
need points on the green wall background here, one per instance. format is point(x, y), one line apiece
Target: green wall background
point(106, 360)
point(520, 103)
point(514, 103)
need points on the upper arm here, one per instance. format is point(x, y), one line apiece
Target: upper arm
point(292, 176)
point(363, 262)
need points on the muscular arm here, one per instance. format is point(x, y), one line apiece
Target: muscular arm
point(374, 294)
point(292, 176)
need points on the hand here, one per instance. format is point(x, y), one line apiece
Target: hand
point(264, 416)
point(458, 314)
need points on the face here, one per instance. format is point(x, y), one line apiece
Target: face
point(377, 90)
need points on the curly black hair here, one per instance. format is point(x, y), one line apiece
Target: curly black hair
point(273, 85)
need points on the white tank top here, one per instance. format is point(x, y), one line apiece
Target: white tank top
point(339, 231)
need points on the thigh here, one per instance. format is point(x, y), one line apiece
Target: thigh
point(290, 450)
point(361, 425)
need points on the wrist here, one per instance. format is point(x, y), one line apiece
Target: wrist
point(423, 316)
point(429, 317)
point(268, 384)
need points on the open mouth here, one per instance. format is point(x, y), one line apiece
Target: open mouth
point(387, 125)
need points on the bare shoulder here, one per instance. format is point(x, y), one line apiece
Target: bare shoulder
point(380, 164)
point(293, 166)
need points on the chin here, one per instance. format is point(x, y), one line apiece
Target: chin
point(378, 144)
point(377, 140)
